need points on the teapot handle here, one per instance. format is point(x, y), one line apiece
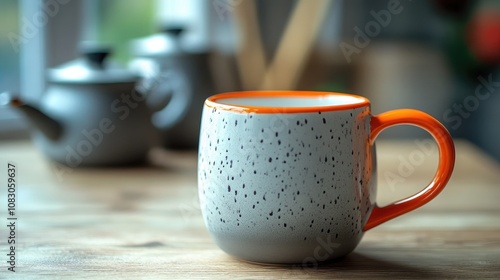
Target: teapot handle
point(169, 95)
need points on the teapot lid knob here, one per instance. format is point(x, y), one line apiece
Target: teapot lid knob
point(95, 54)
point(92, 68)
point(174, 30)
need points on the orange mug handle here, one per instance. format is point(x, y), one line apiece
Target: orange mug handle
point(444, 141)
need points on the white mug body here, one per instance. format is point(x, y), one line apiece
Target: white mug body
point(286, 186)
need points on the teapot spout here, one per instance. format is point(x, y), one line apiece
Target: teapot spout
point(48, 126)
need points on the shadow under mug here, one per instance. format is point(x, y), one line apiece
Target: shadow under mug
point(290, 176)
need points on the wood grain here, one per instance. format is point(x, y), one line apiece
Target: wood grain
point(145, 222)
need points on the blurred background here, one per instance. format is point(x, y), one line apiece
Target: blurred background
point(439, 56)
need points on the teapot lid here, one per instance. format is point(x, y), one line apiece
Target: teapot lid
point(92, 68)
point(170, 41)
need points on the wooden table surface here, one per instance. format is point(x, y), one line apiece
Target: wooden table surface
point(145, 222)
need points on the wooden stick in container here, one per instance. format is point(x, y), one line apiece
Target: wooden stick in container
point(250, 56)
point(295, 45)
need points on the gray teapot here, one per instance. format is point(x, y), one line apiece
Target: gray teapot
point(183, 67)
point(93, 113)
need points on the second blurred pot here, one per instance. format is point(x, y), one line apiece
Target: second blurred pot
point(177, 68)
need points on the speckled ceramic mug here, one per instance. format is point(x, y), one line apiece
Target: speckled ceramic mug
point(290, 176)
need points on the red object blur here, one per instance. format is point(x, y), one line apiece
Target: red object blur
point(483, 36)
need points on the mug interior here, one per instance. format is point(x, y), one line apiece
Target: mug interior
point(293, 101)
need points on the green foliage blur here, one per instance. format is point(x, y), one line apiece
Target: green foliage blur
point(123, 20)
point(9, 58)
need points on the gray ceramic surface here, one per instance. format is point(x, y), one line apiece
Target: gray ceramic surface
point(283, 187)
point(98, 127)
point(169, 54)
point(94, 114)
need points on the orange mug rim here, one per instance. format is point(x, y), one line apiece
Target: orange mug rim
point(212, 101)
